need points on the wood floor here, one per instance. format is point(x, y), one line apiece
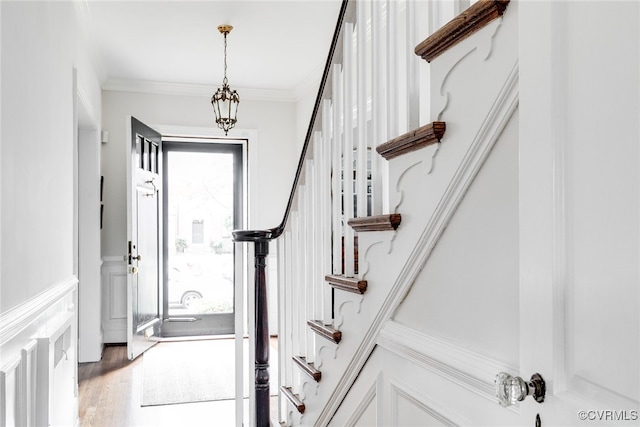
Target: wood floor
point(110, 393)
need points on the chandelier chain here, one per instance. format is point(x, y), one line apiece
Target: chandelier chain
point(225, 81)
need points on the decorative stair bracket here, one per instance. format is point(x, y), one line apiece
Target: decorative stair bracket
point(411, 141)
point(460, 27)
point(349, 284)
point(261, 240)
point(326, 331)
point(308, 368)
point(293, 398)
point(375, 223)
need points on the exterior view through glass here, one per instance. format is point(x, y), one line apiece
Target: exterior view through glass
point(201, 209)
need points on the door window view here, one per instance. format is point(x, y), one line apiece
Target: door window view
point(200, 213)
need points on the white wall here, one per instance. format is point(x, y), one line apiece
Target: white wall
point(1, 263)
point(40, 49)
point(41, 45)
point(274, 153)
point(472, 272)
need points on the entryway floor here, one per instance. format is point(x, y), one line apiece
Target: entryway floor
point(110, 391)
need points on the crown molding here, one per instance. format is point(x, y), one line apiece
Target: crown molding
point(188, 89)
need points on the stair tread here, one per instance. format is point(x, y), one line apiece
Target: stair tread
point(293, 398)
point(459, 28)
point(326, 331)
point(349, 284)
point(375, 223)
point(418, 138)
point(308, 367)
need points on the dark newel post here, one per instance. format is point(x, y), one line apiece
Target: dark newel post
point(261, 239)
point(262, 335)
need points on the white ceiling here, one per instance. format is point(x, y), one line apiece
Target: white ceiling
point(275, 46)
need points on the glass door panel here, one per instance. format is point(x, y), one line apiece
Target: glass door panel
point(203, 185)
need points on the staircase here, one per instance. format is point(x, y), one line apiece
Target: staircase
point(370, 199)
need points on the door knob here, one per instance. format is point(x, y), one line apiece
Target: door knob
point(130, 254)
point(510, 390)
point(134, 258)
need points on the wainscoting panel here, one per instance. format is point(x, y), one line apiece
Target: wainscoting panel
point(429, 381)
point(38, 357)
point(56, 373)
point(28, 389)
point(365, 413)
point(361, 405)
point(10, 385)
point(114, 300)
point(408, 405)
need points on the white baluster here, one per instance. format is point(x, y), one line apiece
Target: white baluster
point(318, 223)
point(325, 206)
point(305, 335)
point(393, 60)
point(284, 358)
point(290, 319)
point(379, 99)
point(425, 13)
point(461, 6)
point(446, 11)
point(336, 168)
point(347, 176)
point(413, 65)
point(310, 255)
point(403, 49)
point(298, 321)
point(364, 67)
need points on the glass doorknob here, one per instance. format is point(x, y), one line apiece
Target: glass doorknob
point(510, 390)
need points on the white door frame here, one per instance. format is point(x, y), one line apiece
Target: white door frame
point(86, 226)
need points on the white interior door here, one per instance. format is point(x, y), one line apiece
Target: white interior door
point(579, 211)
point(144, 214)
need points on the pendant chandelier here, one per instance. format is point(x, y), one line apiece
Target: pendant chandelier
point(225, 101)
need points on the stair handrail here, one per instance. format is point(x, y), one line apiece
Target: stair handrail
point(274, 233)
point(261, 239)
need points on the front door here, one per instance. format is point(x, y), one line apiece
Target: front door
point(144, 308)
point(202, 204)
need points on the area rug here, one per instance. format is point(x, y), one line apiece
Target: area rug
point(195, 371)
